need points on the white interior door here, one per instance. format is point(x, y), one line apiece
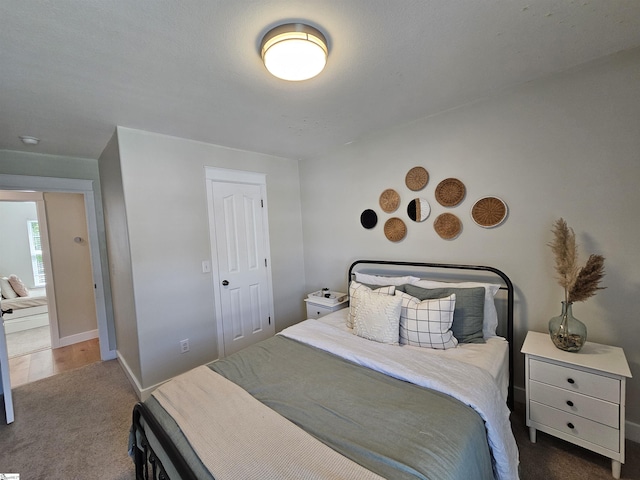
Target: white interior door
point(241, 270)
point(4, 373)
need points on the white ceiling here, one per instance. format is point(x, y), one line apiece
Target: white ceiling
point(71, 70)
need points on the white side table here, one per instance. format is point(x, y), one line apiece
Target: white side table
point(318, 306)
point(578, 397)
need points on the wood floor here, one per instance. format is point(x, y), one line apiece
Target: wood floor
point(45, 363)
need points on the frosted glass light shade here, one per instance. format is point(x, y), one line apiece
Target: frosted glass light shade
point(294, 52)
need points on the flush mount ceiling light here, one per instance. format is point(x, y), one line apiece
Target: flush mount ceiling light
point(294, 51)
point(28, 140)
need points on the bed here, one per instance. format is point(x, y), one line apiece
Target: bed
point(30, 311)
point(354, 394)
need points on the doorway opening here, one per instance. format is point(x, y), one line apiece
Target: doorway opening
point(49, 329)
point(74, 347)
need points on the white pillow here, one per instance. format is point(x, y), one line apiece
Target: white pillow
point(384, 280)
point(427, 323)
point(355, 290)
point(490, 320)
point(7, 289)
point(378, 317)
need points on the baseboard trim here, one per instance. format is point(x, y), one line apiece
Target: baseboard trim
point(142, 393)
point(79, 337)
point(631, 432)
point(127, 371)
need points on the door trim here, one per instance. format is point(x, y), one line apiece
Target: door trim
point(213, 174)
point(72, 185)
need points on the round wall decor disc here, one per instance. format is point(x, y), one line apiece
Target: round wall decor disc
point(389, 200)
point(395, 229)
point(448, 226)
point(418, 209)
point(450, 192)
point(369, 218)
point(417, 178)
point(489, 212)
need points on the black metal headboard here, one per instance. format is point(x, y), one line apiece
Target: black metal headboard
point(505, 285)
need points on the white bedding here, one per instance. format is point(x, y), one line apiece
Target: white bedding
point(492, 356)
point(470, 384)
point(23, 302)
point(37, 297)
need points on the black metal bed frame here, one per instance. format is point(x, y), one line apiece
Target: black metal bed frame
point(145, 458)
point(508, 286)
point(150, 467)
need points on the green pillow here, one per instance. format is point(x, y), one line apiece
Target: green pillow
point(468, 314)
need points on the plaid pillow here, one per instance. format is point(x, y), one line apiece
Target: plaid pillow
point(427, 323)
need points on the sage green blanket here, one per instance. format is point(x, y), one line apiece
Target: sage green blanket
point(391, 427)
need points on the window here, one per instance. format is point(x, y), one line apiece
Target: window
point(36, 253)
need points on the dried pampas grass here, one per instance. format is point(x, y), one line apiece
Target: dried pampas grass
point(578, 283)
point(589, 277)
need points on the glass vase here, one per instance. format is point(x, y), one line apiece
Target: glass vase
point(566, 331)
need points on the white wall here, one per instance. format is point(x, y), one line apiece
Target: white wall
point(119, 254)
point(165, 205)
point(15, 254)
point(566, 146)
point(71, 262)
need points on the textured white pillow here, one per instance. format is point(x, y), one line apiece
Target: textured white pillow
point(384, 280)
point(427, 323)
point(7, 289)
point(490, 320)
point(18, 287)
point(355, 290)
point(378, 317)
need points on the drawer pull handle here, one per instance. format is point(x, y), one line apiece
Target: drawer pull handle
point(570, 425)
point(571, 380)
point(570, 403)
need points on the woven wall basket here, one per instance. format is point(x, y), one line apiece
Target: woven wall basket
point(448, 226)
point(450, 192)
point(489, 212)
point(417, 178)
point(418, 209)
point(395, 229)
point(389, 200)
point(369, 219)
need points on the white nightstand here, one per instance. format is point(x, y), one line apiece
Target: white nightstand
point(578, 397)
point(318, 306)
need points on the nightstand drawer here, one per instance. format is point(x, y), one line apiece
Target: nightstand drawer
point(592, 408)
point(316, 311)
point(591, 384)
point(570, 424)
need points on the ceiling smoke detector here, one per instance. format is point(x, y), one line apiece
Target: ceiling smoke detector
point(28, 140)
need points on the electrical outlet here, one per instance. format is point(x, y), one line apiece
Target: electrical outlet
point(184, 345)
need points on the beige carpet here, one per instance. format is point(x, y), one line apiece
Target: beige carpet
point(553, 459)
point(28, 341)
point(71, 426)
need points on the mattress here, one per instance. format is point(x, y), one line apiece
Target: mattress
point(303, 384)
point(492, 356)
point(24, 302)
point(432, 436)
